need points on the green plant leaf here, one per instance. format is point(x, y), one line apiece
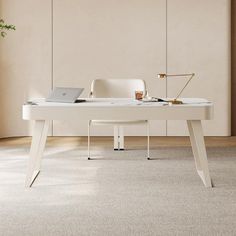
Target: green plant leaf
point(5, 27)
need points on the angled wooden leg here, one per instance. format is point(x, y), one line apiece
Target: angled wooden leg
point(36, 150)
point(199, 150)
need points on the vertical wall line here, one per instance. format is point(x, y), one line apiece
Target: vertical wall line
point(52, 41)
point(233, 68)
point(166, 58)
point(52, 52)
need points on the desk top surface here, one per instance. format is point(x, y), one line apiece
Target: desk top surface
point(119, 102)
point(119, 109)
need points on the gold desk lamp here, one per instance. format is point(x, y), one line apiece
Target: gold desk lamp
point(164, 76)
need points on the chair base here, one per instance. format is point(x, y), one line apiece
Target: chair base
point(118, 139)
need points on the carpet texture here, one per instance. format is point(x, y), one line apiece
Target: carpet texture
point(117, 193)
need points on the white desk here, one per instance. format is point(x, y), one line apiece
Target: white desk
point(193, 111)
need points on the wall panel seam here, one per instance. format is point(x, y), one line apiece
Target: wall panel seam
point(52, 52)
point(166, 58)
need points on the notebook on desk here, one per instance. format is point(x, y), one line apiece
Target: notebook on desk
point(66, 95)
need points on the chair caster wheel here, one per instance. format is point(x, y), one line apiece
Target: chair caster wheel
point(89, 158)
point(148, 158)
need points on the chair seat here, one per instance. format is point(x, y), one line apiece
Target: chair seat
point(118, 122)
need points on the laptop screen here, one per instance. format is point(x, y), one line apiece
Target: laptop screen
point(61, 94)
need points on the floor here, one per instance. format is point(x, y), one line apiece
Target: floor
point(130, 141)
point(118, 193)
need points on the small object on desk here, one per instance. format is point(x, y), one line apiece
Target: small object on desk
point(30, 103)
point(152, 99)
point(161, 100)
point(149, 99)
point(80, 100)
point(138, 95)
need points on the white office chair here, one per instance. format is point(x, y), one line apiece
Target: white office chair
point(117, 88)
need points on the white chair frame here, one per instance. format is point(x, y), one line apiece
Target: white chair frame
point(114, 88)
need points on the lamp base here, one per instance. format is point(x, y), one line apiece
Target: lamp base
point(175, 102)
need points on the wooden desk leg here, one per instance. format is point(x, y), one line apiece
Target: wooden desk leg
point(199, 150)
point(36, 150)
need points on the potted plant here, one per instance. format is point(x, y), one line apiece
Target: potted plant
point(5, 27)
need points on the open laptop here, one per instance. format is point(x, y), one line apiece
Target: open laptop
point(67, 95)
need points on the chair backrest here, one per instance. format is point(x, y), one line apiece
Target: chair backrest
point(117, 88)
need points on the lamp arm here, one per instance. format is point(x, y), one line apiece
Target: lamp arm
point(184, 86)
point(177, 75)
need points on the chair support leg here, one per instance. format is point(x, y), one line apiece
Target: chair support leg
point(89, 122)
point(148, 141)
point(116, 138)
point(121, 138)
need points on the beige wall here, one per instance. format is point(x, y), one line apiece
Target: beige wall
point(109, 40)
point(25, 60)
point(114, 39)
point(199, 41)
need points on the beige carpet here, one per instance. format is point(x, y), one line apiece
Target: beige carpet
point(118, 193)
